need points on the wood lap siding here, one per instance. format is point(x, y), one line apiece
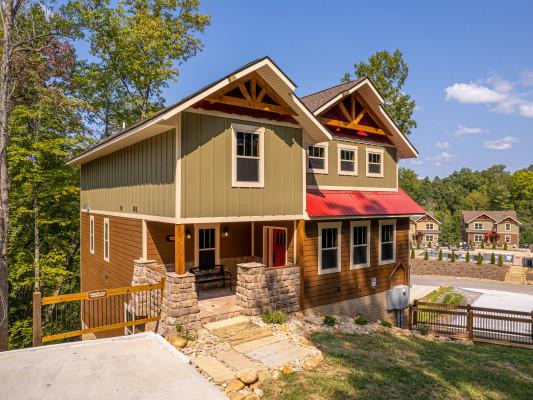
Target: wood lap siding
point(347, 284)
point(125, 245)
point(158, 248)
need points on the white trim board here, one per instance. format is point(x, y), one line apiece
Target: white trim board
point(155, 218)
point(352, 188)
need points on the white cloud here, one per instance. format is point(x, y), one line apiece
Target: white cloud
point(415, 161)
point(473, 93)
point(526, 110)
point(440, 158)
point(464, 130)
point(505, 143)
point(443, 145)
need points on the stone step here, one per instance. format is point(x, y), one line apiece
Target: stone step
point(255, 344)
point(278, 354)
point(225, 323)
point(237, 361)
point(214, 368)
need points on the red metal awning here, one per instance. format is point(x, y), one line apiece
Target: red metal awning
point(340, 203)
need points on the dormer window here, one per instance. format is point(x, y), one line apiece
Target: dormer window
point(248, 156)
point(374, 164)
point(317, 159)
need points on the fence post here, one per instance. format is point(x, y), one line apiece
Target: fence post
point(415, 313)
point(470, 322)
point(531, 327)
point(37, 333)
point(410, 317)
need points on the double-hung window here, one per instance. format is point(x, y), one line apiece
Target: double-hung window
point(347, 156)
point(317, 158)
point(248, 156)
point(478, 238)
point(359, 244)
point(507, 226)
point(329, 247)
point(429, 238)
point(507, 238)
point(429, 226)
point(478, 226)
point(387, 241)
point(374, 162)
point(91, 234)
point(106, 239)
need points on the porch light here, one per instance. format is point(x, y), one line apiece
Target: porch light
point(188, 234)
point(225, 231)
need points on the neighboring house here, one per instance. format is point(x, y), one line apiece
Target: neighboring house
point(244, 170)
point(491, 226)
point(425, 229)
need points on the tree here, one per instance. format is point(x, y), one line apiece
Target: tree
point(453, 256)
point(388, 72)
point(467, 258)
point(479, 258)
point(492, 258)
point(440, 254)
point(426, 255)
point(500, 260)
point(137, 46)
point(476, 200)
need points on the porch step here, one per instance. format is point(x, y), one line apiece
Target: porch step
point(214, 368)
point(242, 332)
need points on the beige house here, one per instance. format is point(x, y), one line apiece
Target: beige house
point(424, 229)
point(501, 227)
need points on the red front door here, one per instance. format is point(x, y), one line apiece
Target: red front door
point(279, 247)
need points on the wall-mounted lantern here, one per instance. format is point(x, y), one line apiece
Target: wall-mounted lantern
point(225, 231)
point(188, 234)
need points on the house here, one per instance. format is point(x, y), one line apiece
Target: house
point(424, 229)
point(501, 227)
point(246, 174)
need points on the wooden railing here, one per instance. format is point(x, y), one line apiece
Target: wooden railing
point(73, 315)
point(475, 323)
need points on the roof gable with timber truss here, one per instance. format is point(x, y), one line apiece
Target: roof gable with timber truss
point(355, 109)
point(259, 87)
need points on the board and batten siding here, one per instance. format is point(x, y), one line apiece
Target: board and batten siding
point(347, 284)
point(137, 179)
point(206, 168)
point(332, 178)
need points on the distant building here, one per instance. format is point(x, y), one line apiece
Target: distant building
point(491, 226)
point(424, 229)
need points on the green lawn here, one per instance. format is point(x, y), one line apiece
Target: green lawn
point(380, 366)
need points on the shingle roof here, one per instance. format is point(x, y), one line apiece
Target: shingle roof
point(430, 213)
point(469, 215)
point(315, 100)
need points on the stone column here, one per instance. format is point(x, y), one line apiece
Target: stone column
point(284, 288)
point(180, 304)
point(252, 290)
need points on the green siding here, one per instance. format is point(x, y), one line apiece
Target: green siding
point(206, 170)
point(332, 178)
point(140, 175)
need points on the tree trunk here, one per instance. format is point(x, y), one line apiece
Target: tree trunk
point(8, 13)
point(37, 248)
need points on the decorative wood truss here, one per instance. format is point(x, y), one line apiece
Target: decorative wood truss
point(251, 92)
point(351, 113)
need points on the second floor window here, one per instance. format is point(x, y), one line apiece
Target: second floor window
point(374, 164)
point(507, 226)
point(478, 225)
point(429, 226)
point(347, 160)
point(317, 159)
point(248, 156)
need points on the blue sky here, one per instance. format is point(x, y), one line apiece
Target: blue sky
point(471, 65)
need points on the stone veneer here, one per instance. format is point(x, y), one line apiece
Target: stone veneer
point(260, 288)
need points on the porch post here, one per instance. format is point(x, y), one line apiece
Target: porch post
point(179, 249)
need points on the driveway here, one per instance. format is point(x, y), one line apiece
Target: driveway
point(430, 280)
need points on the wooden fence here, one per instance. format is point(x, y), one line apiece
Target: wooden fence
point(73, 315)
point(475, 323)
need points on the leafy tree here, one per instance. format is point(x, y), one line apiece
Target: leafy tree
point(388, 72)
point(500, 260)
point(476, 200)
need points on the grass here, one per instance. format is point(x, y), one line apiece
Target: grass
point(444, 295)
point(381, 366)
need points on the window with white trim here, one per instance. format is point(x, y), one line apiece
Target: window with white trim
point(91, 234)
point(347, 156)
point(429, 238)
point(507, 226)
point(387, 241)
point(359, 244)
point(429, 226)
point(106, 239)
point(507, 238)
point(317, 159)
point(374, 162)
point(248, 156)
point(329, 247)
point(478, 238)
point(478, 226)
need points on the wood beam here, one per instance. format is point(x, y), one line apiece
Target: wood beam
point(253, 89)
point(179, 249)
point(359, 117)
point(352, 125)
point(345, 112)
point(234, 101)
point(244, 91)
point(352, 108)
point(261, 95)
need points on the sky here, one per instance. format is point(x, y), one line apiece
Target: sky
point(470, 65)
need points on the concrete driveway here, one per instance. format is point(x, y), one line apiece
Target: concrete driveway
point(138, 367)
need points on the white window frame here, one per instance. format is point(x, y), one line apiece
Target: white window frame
point(430, 237)
point(197, 228)
point(91, 234)
point(507, 238)
point(324, 170)
point(340, 148)
point(507, 225)
point(381, 153)
point(107, 246)
point(354, 224)
point(429, 226)
point(476, 226)
point(261, 173)
point(393, 223)
point(476, 235)
point(327, 225)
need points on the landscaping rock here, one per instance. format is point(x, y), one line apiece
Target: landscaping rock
point(259, 392)
point(236, 396)
point(263, 377)
point(287, 370)
point(314, 320)
point(178, 341)
point(247, 376)
point(311, 363)
point(234, 385)
point(276, 374)
point(305, 342)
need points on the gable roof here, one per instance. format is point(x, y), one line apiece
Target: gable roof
point(429, 214)
point(159, 122)
point(322, 101)
point(496, 216)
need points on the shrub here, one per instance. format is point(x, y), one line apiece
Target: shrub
point(274, 317)
point(500, 260)
point(494, 244)
point(179, 327)
point(361, 320)
point(188, 336)
point(412, 253)
point(482, 244)
point(440, 254)
point(426, 255)
point(330, 320)
point(479, 259)
point(424, 330)
point(492, 259)
point(430, 244)
point(505, 246)
point(467, 257)
point(386, 324)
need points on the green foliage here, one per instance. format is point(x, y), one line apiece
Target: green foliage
point(500, 260)
point(423, 329)
point(467, 257)
point(494, 244)
point(412, 253)
point(440, 254)
point(479, 259)
point(492, 259)
point(274, 317)
point(505, 246)
point(453, 256)
point(330, 320)
point(361, 320)
point(388, 72)
point(483, 244)
point(446, 295)
point(386, 324)
point(179, 327)
point(426, 255)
